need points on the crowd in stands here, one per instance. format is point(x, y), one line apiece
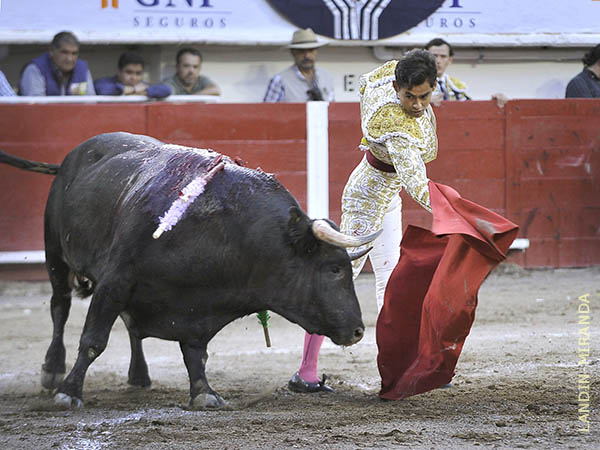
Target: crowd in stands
point(60, 71)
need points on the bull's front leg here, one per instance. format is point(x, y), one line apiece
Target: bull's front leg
point(201, 394)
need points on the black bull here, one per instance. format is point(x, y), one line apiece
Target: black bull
point(243, 246)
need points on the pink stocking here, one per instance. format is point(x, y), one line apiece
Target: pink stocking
point(310, 358)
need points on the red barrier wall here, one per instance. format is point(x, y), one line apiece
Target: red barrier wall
point(535, 161)
point(553, 182)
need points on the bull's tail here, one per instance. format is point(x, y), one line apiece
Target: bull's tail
point(25, 164)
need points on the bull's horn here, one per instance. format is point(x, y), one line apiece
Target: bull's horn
point(323, 231)
point(355, 255)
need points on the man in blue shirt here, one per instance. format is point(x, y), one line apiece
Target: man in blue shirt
point(59, 71)
point(128, 80)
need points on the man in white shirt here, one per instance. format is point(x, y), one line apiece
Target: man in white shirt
point(449, 87)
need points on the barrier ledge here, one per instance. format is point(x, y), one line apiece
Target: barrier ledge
point(109, 99)
point(39, 257)
point(519, 244)
point(25, 257)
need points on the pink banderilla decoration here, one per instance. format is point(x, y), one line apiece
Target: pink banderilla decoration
point(187, 197)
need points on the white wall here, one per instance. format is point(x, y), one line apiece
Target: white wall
point(527, 79)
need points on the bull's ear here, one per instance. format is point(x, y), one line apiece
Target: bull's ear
point(300, 232)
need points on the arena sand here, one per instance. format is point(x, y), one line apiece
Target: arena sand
point(518, 384)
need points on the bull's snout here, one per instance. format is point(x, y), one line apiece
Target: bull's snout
point(347, 337)
point(358, 335)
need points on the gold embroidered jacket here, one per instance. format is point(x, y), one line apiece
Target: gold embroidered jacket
point(393, 136)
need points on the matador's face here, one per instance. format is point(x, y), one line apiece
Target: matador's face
point(414, 99)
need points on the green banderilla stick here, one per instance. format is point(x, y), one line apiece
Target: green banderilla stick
point(263, 319)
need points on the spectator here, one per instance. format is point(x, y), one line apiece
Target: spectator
point(587, 83)
point(5, 88)
point(448, 87)
point(59, 71)
point(187, 79)
point(128, 80)
point(302, 81)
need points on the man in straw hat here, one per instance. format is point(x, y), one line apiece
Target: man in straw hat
point(302, 81)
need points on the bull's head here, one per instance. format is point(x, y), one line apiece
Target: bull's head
point(327, 301)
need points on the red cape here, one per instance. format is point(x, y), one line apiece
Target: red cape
point(431, 296)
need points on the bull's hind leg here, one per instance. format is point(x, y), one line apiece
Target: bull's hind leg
point(138, 369)
point(201, 394)
point(105, 306)
point(53, 369)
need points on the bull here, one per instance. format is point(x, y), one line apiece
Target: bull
point(243, 246)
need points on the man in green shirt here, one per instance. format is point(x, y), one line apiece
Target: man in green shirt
point(187, 79)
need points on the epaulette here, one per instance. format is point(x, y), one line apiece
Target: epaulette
point(390, 120)
point(457, 85)
point(384, 71)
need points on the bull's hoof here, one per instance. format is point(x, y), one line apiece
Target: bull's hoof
point(66, 401)
point(51, 380)
point(140, 383)
point(207, 401)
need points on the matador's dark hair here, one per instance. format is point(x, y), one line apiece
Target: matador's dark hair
point(416, 67)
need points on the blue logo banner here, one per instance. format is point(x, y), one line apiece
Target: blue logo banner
point(357, 19)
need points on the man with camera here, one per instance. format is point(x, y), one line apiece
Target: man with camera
point(302, 81)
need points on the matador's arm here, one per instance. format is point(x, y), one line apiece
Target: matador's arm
point(410, 167)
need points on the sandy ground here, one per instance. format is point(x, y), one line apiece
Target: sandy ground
point(518, 381)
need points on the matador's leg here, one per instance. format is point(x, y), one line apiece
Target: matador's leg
point(386, 249)
point(370, 202)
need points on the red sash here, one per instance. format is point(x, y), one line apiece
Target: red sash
point(378, 164)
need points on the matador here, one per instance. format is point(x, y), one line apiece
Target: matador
point(399, 138)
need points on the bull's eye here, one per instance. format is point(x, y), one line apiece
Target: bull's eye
point(335, 269)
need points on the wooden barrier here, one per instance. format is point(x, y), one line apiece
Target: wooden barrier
point(534, 161)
